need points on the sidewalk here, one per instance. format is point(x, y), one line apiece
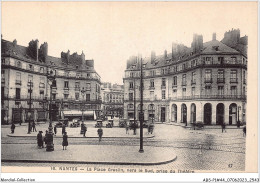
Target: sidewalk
point(88, 154)
point(115, 132)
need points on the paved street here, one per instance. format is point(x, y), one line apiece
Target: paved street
point(207, 149)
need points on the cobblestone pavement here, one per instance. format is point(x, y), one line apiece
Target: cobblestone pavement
point(207, 149)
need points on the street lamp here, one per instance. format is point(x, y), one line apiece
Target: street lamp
point(141, 116)
point(30, 107)
point(49, 136)
point(83, 92)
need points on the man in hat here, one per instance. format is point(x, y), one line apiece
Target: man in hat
point(39, 140)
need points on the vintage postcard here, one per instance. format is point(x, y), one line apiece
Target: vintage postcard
point(129, 87)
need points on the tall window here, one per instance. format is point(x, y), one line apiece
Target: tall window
point(208, 75)
point(163, 94)
point(233, 76)
point(3, 73)
point(184, 79)
point(18, 64)
point(131, 85)
point(151, 95)
point(30, 78)
point(233, 90)
point(193, 63)
point(131, 74)
point(66, 96)
point(41, 94)
point(66, 84)
point(193, 79)
point(221, 78)
point(152, 83)
point(174, 81)
point(88, 86)
point(30, 67)
point(244, 77)
point(221, 90)
point(207, 90)
point(41, 70)
point(77, 87)
point(163, 82)
point(87, 97)
point(17, 93)
point(193, 91)
point(233, 60)
point(208, 60)
point(184, 92)
point(220, 60)
point(131, 97)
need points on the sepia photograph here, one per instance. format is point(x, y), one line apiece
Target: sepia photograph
point(129, 87)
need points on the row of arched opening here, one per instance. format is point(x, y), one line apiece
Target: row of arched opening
point(207, 116)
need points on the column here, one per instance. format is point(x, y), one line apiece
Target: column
point(199, 112)
point(188, 113)
point(178, 113)
point(227, 113)
point(214, 112)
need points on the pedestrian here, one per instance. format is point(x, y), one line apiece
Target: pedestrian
point(126, 129)
point(55, 130)
point(223, 126)
point(12, 128)
point(238, 124)
point(63, 129)
point(84, 130)
point(34, 127)
point(39, 140)
point(134, 125)
point(100, 133)
point(244, 131)
point(45, 138)
point(65, 141)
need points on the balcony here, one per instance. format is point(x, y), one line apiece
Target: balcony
point(30, 84)
point(174, 85)
point(193, 82)
point(151, 88)
point(42, 85)
point(18, 82)
point(233, 80)
point(208, 80)
point(163, 87)
point(66, 88)
point(223, 97)
point(184, 83)
point(220, 80)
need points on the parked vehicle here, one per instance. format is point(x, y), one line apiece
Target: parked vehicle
point(122, 123)
point(75, 123)
point(99, 124)
point(109, 125)
point(61, 122)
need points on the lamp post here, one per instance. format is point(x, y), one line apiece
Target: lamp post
point(49, 136)
point(141, 116)
point(83, 92)
point(30, 107)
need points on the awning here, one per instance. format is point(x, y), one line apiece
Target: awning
point(78, 113)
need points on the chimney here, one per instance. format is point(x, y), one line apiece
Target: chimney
point(165, 53)
point(214, 36)
point(197, 43)
point(82, 58)
point(68, 56)
point(37, 50)
point(14, 42)
point(153, 56)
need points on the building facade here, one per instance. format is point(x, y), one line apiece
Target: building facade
point(112, 99)
point(202, 83)
point(25, 72)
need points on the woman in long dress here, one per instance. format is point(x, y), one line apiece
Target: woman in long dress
point(65, 141)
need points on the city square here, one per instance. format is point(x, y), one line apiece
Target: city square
point(114, 88)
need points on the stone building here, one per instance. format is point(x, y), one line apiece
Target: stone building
point(77, 86)
point(202, 83)
point(112, 99)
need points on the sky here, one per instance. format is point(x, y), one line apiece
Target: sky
point(111, 32)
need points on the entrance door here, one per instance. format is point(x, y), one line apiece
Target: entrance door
point(220, 114)
point(207, 114)
point(163, 114)
point(232, 114)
